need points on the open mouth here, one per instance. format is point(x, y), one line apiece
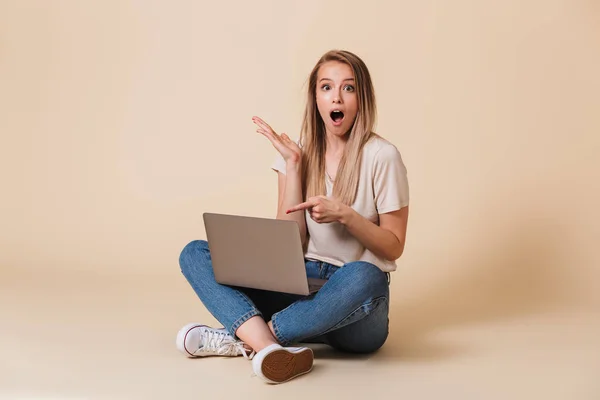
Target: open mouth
point(337, 116)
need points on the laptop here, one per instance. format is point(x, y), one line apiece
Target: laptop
point(258, 253)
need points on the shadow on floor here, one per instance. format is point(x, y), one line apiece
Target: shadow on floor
point(519, 272)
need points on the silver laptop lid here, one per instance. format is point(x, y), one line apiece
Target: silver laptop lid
point(255, 252)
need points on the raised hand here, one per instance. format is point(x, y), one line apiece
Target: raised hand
point(288, 149)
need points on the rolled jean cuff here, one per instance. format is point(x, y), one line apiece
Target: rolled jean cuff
point(252, 313)
point(278, 335)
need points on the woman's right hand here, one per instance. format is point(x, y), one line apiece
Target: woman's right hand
point(288, 149)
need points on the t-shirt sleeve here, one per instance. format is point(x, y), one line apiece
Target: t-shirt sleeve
point(390, 181)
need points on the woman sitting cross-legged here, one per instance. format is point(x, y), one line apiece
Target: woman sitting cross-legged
point(347, 189)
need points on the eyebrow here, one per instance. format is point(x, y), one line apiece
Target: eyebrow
point(328, 79)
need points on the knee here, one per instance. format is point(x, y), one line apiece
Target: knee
point(372, 346)
point(361, 345)
point(193, 255)
point(366, 276)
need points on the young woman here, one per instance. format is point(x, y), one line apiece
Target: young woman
point(347, 189)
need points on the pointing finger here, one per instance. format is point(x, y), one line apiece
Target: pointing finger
point(301, 206)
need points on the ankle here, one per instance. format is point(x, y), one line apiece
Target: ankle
point(270, 325)
point(256, 334)
point(262, 344)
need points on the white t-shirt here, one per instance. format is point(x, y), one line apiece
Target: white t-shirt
point(382, 188)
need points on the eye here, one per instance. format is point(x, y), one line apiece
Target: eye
point(326, 87)
point(349, 88)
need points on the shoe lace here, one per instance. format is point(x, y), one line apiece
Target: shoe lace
point(221, 343)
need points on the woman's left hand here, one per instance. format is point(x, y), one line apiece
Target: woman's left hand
point(322, 209)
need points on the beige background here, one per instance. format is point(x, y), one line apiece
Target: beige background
point(123, 121)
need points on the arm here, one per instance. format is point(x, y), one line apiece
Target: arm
point(390, 187)
point(290, 182)
point(386, 240)
point(290, 193)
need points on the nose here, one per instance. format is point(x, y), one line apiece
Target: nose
point(337, 98)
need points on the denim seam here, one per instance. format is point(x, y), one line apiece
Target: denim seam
point(278, 335)
point(253, 312)
point(245, 298)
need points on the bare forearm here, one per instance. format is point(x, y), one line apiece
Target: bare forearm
point(291, 197)
point(379, 241)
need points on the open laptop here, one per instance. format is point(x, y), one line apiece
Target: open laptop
point(258, 253)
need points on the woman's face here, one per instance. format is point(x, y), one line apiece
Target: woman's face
point(336, 97)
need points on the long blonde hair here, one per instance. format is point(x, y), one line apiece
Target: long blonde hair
point(313, 136)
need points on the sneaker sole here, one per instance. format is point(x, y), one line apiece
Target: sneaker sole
point(281, 365)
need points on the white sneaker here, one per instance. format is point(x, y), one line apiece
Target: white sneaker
point(196, 340)
point(278, 364)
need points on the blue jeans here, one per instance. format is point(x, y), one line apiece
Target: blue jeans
point(349, 313)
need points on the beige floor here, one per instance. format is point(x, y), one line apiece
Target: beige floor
point(84, 336)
